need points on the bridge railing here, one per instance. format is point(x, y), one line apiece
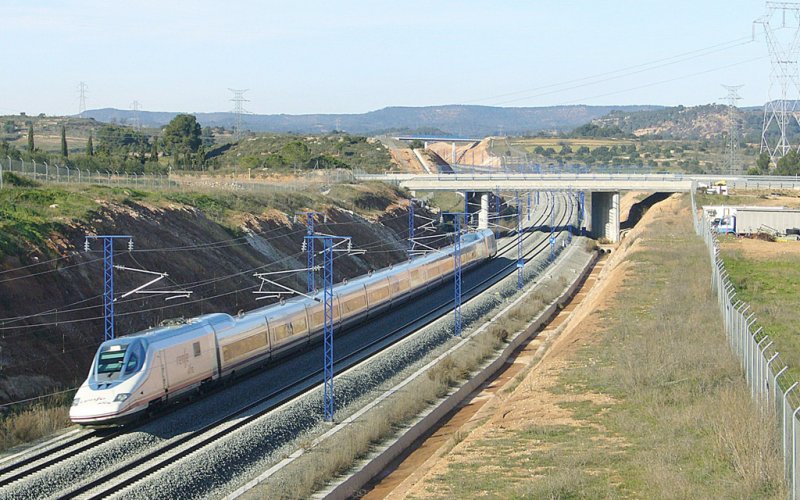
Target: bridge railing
point(773, 387)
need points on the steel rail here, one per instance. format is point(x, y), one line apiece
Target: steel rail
point(302, 384)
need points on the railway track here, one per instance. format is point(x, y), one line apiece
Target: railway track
point(119, 480)
point(114, 479)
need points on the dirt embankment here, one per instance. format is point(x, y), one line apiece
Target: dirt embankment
point(473, 153)
point(629, 401)
point(499, 407)
point(51, 309)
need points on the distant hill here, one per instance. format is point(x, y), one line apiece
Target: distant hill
point(696, 122)
point(455, 120)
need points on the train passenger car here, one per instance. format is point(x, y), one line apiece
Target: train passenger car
point(132, 373)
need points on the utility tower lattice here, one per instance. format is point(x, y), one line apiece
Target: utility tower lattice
point(733, 131)
point(780, 111)
point(238, 110)
point(82, 88)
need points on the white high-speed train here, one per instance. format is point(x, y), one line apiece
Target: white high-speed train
point(133, 373)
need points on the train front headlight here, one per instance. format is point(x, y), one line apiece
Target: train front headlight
point(121, 397)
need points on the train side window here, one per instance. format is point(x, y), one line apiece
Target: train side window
point(281, 332)
point(133, 363)
point(354, 304)
point(299, 326)
point(196, 347)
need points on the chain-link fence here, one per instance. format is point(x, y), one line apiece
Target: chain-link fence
point(52, 173)
point(773, 388)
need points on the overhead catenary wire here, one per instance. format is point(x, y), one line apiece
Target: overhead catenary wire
point(243, 240)
point(4, 328)
point(620, 73)
point(80, 346)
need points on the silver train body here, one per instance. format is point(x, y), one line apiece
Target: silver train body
point(133, 373)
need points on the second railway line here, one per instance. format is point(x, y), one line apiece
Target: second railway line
point(132, 456)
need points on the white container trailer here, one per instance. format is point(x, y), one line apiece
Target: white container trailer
point(753, 220)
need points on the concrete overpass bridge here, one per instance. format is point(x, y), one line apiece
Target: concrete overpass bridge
point(603, 189)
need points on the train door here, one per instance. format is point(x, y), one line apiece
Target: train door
point(159, 359)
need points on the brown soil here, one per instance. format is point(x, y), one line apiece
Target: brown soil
point(760, 249)
point(530, 402)
point(407, 160)
point(57, 347)
point(469, 153)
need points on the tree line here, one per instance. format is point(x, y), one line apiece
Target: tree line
point(182, 143)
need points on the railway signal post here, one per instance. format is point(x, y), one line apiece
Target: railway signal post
point(108, 278)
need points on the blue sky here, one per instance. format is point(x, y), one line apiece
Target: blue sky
point(356, 56)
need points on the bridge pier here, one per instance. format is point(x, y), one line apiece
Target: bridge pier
point(483, 213)
point(605, 215)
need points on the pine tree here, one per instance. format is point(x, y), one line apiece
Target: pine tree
point(89, 146)
point(154, 151)
point(64, 150)
point(30, 138)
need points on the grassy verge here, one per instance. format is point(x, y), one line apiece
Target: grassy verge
point(770, 286)
point(336, 455)
point(765, 197)
point(652, 406)
point(34, 421)
point(30, 214)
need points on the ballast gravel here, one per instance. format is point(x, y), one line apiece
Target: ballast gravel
point(238, 457)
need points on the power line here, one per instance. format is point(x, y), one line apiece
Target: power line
point(191, 285)
point(616, 74)
point(668, 80)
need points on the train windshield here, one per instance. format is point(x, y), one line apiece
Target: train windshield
point(117, 361)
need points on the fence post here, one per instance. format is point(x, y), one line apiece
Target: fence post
point(794, 453)
point(762, 368)
point(769, 392)
point(753, 353)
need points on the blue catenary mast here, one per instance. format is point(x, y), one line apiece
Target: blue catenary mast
point(457, 276)
point(529, 206)
point(497, 211)
point(310, 248)
point(328, 247)
point(327, 294)
point(520, 260)
point(410, 228)
point(457, 318)
point(108, 279)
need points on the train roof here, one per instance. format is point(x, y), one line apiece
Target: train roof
point(162, 332)
point(223, 321)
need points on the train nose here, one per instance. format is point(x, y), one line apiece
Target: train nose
point(88, 408)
